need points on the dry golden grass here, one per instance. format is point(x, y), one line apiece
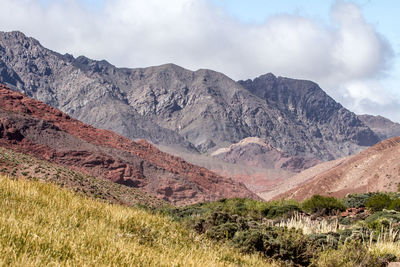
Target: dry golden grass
point(388, 242)
point(43, 225)
point(308, 226)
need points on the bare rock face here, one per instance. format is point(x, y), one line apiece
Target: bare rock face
point(382, 126)
point(197, 111)
point(34, 128)
point(323, 126)
point(76, 86)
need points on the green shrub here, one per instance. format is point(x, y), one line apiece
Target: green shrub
point(288, 245)
point(395, 204)
point(357, 200)
point(249, 241)
point(218, 224)
point(252, 209)
point(346, 221)
point(238, 206)
point(293, 245)
point(382, 218)
point(379, 202)
point(378, 224)
point(384, 214)
point(323, 205)
point(222, 232)
point(218, 218)
point(281, 210)
point(326, 240)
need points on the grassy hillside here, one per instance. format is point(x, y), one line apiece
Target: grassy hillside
point(22, 165)
point(41, 224)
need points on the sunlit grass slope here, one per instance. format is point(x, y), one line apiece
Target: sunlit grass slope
point(21, 165)
point(41, 224)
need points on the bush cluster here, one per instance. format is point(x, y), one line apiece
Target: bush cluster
point(395, 204)
point(323, 205)
point(378, 202)
point(288, 245)
point(357, 200)
point(246, 225)
point(383, 201)
point(253, 209)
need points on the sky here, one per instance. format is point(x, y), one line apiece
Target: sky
point(350, 48)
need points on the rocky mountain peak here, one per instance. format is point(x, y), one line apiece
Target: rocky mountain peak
point(306, 103)
point(199, 110)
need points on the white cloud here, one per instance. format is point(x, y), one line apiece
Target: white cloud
point(347, 58)
point(370, 97)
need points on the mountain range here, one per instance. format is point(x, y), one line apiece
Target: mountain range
point(259, 131)
point(195, 111)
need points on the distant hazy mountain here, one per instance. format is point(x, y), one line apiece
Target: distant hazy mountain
point(382, 126)
point(199, 110)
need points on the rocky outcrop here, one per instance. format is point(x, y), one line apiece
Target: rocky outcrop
point(382, 126)
point(32, 127)
point(193, 110)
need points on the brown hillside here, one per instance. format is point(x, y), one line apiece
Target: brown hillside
point(17, 165)
point(375, 169)
point(32, 127)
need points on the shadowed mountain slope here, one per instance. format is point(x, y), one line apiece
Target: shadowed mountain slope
point(32, 127)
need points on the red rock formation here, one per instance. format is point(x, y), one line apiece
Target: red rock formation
point(30, 126)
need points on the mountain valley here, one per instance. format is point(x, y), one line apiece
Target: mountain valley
point(261, 132)
point(164, 166)
point(192, 114)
